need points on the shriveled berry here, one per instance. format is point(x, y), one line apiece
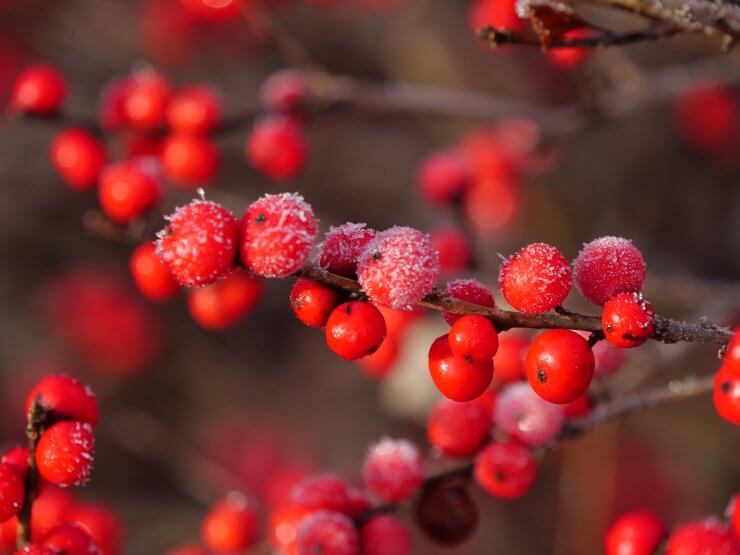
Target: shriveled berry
point(355, 329)
point(455, 377)
point(505, 469)
point(78, 156)
point(147, 99)
point(231, 525)
point(327, 533)
point(628, 320)
point(446, 513)
point(64, 455)
point(392, 470)
point(69, 539)
point(443, 177)
point(321, 492)
point(152, 278)
point(276, 147)
point(129, 189)
point(385, 535)
point(474, 338)
point(12, 490)
point(470, 291)
point(459, 429)
point(726, 393)
point(189, 160)
point(285, 91)
point(525, 416)
point(313, 302)
point(221, 305)
point(634, 533)
point(453, 246)
point(194, 109)
point(702, 537)
point(66, 398)
point(39, 89)
point(342, 246)
point(608, 266)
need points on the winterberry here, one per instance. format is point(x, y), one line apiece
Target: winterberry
point(635, 533)
point(470, 291)
point(706, 117)
point(276, 147)
point(285, 91)
point(36, 549)
point(505, 469)
point(112, 104)
point(39, 89)
point(446, 513)
point(313, 302)
point(327, 533)
point(66, 398)
point(355, 329)
point(700, 537)
point(726, 393)
point(231, 525)
point(459, 429)
point(378, 364)
point(12, 490)
point(578, 408)
point(103, 526)
point(525, 416)
point(78, 156)
point(443, 177)
point(474, 338)
point(571, 57)
point(342, 246)
point(628, 320)
point(223, 304)
point(147, 99)
point(194, 109)
point(129, 189)
point(321, 492)
point(152, 278)
point(509, 358)
point(492, 203)
point(189, 160)
point(453, 246)
point(455, 377)
point(64, 455)
point(17, 457)
point(385, 535)
point(392, 470)
point(69, 539)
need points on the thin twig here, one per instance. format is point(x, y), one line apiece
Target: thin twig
point(500, 37)
point(37, 420)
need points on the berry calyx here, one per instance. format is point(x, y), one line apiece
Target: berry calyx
point(726, 393)
point(355, 329)
point(635, 533)
point(78, 156)
point(129, 189)
point(455, 377)
point(474, 338)
point(526, 417)
point(64, 455)
point(221, 305)
point(443, 177)
point(342, 246)
point(327, 533)
point(313, 302)
point(151, 277)
point(66, 398)
point(385, 535)
point(12, 491)
point(40, 89)
point(276, 148)
point(505, 469)
point(195, 109)
point(470, 291)
point(231, 526)
point(188, 160)
point(459, 429)
point(392, 470)
point(628, 320)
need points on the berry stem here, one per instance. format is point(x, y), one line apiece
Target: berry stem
point(37, 420)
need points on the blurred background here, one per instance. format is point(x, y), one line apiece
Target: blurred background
point(188, 413)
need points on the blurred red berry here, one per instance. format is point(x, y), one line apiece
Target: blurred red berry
point(221, 305)
point(443, 177)
point(355, 329)
point(453, 246)
point(146, 101)
point(188, 550)
point(189, 160)
point(378, 364)
point(726, 393)
point(608, 266)
point(328, 534)
point(628, 320)
point(17, 457)
point(283, 527)
point(474, 338)
point(112, 104)
point(285, 92)
point(455, 377)
point(321, 492)
point(152, 278)
point(66, 398)
point(231, 525)
point(470, 291)
point(392, 470)
point(78, 156)
point(51, 509)
point(635, 533)
point(459, 429)
point(36, 549)
point(509, 358)
point(312, 302)
point(64, 455)
point(500, 14)
point(505, 469)
point(578, 408)
point(708, 536)
point(39, 89)
point(385, 535)
point(609, 359)
point(194, 109)
point(12, 490)
point(102, 524)
point(570, 58)
point(733, 514)
point(342, 246)
point(69, 539)
point(706, 117)
point(526, 417)
point(129, 189)
point(276, 147)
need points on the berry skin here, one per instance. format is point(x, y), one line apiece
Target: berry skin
point(103, 526)
point(221, 305)
point(198, 246)
point(342, 246)
point(560, 365)
point(327, 533)
point(505, 469)
point(635, 533)
point(608, 266)
point(392, 470)
point(35, 549)
point(78, 156)
point(468, 290)
point(189, 160)
point(313, 302)
point(628, 320)
point(66, 398)
point(443, 177)
point(12, 491)
point(525, 416)
point(455, 377)
point(147, 99)
point(195, 109)
point(285, 92)
point(726, 394)
point(69, 539)
point(474, 338)
point(40, 89)
point(129, 189)
point(231, 525)
point(321, 492)
point(385, 535)
point(64, 455)
point(455, 251)
point(509, 359)
point(708, 536)
point(355, 329)
point(276, 148)
point(398, 268)
point(459, 429)
point(536, 279)
point(152, 278)
point(17, 457)
point(277, 233)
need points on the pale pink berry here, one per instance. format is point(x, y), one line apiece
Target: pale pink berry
point(393, 470)
point(468, 290)
point(526, 416)
point(327, 533)
point(342, 246)
point(608, 266)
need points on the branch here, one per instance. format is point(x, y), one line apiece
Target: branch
point(37, 420)
point(499, 37)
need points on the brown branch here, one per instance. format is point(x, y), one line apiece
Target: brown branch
point(500, 37)
point(37, 420)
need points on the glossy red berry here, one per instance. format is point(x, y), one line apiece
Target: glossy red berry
point(474, 338)
point(231, 526)
point(702, 537)
point(312, 302)
point(536, 279)
point(392, 470)
point(17, 457)
point(455, 377)
point(66, 398)
point(628, 320)
point(459, 429)
point(560, 365)
point(322, 492)
point(443, 177)
point(505, 469)
point(398, 268)
point(189, 160)
point(221, 305)
point(64, 455)
point(12, 490)
point(40, 89)
point(342, 246)
point(102, 524)
point(198, 245)
point(726, 393)
point(195, 109)
point(526, 417)
point(470, 291)
point(635, 533)
point(327, 533)
point(129, 189)
point(152, 278)
point(146, 101)
point(608, 266)
point(355, 329)
point(285, 92)
point(69, 539)
point(78, 156)
point(385, 535)
point(277, 234)
point(453, 246)
point(276, 147)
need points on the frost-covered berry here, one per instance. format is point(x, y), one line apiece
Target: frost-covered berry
point(453, 246)
point(64, 455)
point(398, 268)
point(342, 246)
point(195, 109)
point(608, 266)
point(321, 492)
point(527, 417)
point(443, 177)
point(12, 491)
point(129, 189)
point(505, 469)
point(277, 234)
point(459, 429)
point(700, 537)
point(78, 156)
point(276, 148)
point(199, 243)
point(535, 279)
point(327, 533)
point(231, 525)
point(634, 533)
point(39, 89)
point(392, 470)
point(468, 290)
point(66, 398)
point(285, 91)
point(385, 535)
point(221, 305)
point(726, 393)
point(628, 320)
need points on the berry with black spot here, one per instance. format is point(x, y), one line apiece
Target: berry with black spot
point(355, 329)
point(628, 320)
point(313, 302)
point(505, 469)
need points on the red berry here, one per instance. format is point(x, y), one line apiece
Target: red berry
point(509, 359)
point(17, 457)
point(39, 89)
point(474, 338)
point(321, 492)
point(608, 266)
point(78, 156)
point(706, 116)
point(12, 490)
point(628, 320)
point(195, 109)
point(64, 455)
point(635, 533)
point(398, 268)
point(536, 279)
point(443, 177)
point(129, 189)
point(327, 533)
point(385, 535)
point(50, 509)
point(571, 57)
point(189, 160)
point(446, 513)
point(525, 416)
point(277, 233)
point(147, 99)
point(312, 302)
point(342, 246)
point(726, 393)
point(578, 408)
point(112, 104)
point(231, 525)
point(221, 305)
point(276, 148)
point(560, 365)
point(609, 359)
point(505, 469)
point(732, 356)
point(470, 291)
point(188, 550)
point(459, 429)
point(198, 246)
point(455, 377)
point(65, 397)
point(69, 539)
point(152, 278)
point(392, 470)
point(455, 251)
point(285, 91)
point(283, 527)
point(355, 329)
point(708, 536)
point(35, 549)
point(378, 364)
point(103, 526)
point(492, 204)
point(733, 514)
point(497, 13)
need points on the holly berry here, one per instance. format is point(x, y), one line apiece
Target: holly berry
point(321, 492)
point(39, 89)
point(12, 490)
point(64, 454)
point(385, 535)
point(78, 156)
point(455, 377)
point(195, 109)
point(327, 533)
point(277, 233)
point(189, 160)
point(66, 398)
point(726, 393)
point(560, 365)
point(103, 526)
point(536, 279)
point(628, 320)
point(635, 533)
point(474, 338)
point(392, 470)
point(398, 268)
point(146, 101)
point(608, 266)
point(312, 302)
point(69, 539)
point(276, 148)
point(129, 189)
point(525, 416)
point(443, 177)
point(704, 536)
point(355, 329)
point(285, 92)
point(231, 525)
point(470, 291)
point(152, 278)
point(459, 429)
point(342, 246)
point(453, 246)
point(505, 469)
point(198, 246)
point(221, 305)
